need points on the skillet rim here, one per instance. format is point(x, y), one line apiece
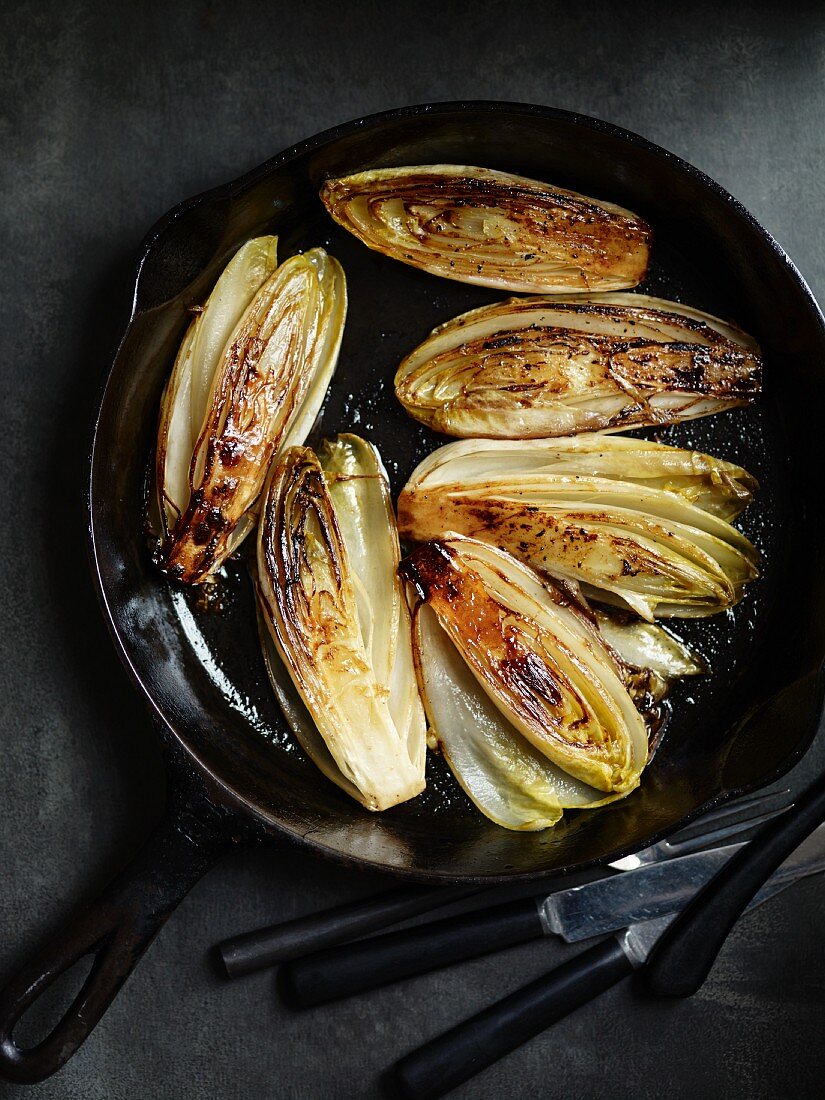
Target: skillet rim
point(177, 750)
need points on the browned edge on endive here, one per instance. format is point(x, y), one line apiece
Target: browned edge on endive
point(648, 529)
point(370, 722)
point(539, 660)
point(286, 342)
point(548, 366)
point(492, 228)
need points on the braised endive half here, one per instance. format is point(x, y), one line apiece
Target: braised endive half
point(537, 367)
point(492, 228)
point(249, 380)
point(335, 616)
point(635, 523)
point(524, 699)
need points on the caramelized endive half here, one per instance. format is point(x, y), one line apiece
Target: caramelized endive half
point(492, 228)
point(230, 407)
point(510, 781)
point(540, 663)
point(186, 396)
point(538, 367)
point(637, 524)
point(335, 618)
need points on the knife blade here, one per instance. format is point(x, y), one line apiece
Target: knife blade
point(639, 939)
point(454, 1057)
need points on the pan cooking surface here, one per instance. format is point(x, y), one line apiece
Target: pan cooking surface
point(203, 667)
point(392, 307)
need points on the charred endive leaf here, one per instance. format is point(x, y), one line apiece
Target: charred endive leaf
point(230, 407)
point(184, 403)
point(541, 665)
point(492, 228)
point(637, 524)
point(333, 609)
point(538, 367)
point(509, 780)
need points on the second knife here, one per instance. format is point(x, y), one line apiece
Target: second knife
point(580, 913)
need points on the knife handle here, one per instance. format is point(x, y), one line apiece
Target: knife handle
point(683, 957)
point(448, 1060)
point(264, 947)
point(354, 968)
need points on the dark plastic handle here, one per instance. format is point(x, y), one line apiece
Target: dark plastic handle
point(368, 964)
point(471, 1046)
point(116, 929)
point(684, 956)
point(304, 935)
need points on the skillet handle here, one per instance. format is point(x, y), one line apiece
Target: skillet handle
point(116, 929)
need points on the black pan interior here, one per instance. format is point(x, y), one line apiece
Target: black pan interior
point(202, 669)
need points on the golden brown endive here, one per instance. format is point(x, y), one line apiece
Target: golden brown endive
point(492, 228)
point(542, 665)
point(237, 397)
point(333, 609)
point(635, 523)
point(539, 367)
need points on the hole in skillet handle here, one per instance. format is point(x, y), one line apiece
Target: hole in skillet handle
point(114, 931)
point(38, 1021)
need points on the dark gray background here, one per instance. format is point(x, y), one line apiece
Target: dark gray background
point(109, 115)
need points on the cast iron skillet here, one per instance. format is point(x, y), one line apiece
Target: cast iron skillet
point(235, 772)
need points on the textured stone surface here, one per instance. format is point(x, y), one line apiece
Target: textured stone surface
point(111, 113)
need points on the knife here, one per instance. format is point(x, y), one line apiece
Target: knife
point(578, 913)
point(453, 1057)
point(291, 939)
